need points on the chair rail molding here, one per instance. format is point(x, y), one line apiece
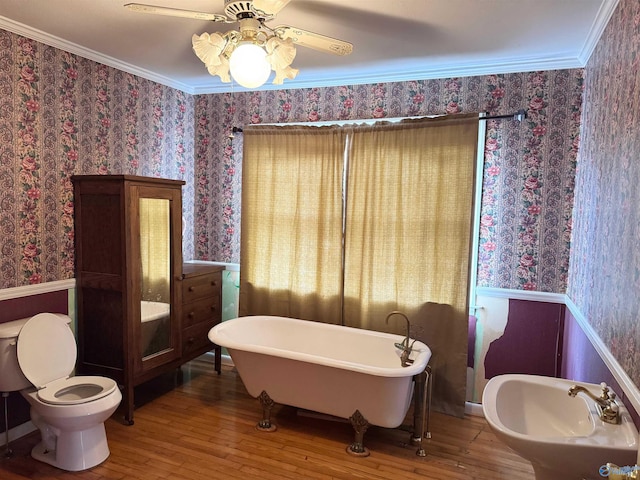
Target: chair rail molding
point(37, 289)
point(630, 389)
point(514, 294)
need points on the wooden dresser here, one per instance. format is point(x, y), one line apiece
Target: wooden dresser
point(201, 309)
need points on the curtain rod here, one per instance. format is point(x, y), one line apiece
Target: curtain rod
point(519, 116)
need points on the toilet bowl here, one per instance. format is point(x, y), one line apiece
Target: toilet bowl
point(69, 411)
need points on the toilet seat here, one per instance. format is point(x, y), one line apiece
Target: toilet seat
point(74, 390)
point(47, 355)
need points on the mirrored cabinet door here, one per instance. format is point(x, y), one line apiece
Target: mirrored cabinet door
point(155, 272)
point(157, 269)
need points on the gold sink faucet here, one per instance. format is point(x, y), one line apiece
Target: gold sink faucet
point(605, 404)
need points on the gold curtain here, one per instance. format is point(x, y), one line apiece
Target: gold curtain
point(408, 238)
point(155, 247)
point(291, 227)
point(407, 231)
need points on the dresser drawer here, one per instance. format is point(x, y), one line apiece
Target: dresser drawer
point(205, 310)
point(195, 338)
point(201, 286)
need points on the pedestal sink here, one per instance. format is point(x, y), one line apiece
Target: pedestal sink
point(562, 436)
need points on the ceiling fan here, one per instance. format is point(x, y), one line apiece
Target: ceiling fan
point(252, 52)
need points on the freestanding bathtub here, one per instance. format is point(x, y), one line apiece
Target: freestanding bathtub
point(340, 371)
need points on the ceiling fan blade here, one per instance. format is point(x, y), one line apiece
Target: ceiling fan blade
point(269, 7)
point(176, 12)
point(314, 40)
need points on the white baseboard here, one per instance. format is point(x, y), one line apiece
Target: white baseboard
point(226, 360)
point(18, 432)
point(474, 409)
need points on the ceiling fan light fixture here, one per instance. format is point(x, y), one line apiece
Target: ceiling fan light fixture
point(249, 55)
point(249, 66)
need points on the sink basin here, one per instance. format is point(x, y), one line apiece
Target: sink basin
point(562, 436)
point(542, 410)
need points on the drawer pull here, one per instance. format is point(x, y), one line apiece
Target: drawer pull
point(213, 283)
point(191, 340)
point(191, 314)
point(213, 308)
point(191, 289)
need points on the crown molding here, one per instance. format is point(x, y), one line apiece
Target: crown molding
point(62, 44)
point(387, 72)
point(597, 29)
point(403, 72)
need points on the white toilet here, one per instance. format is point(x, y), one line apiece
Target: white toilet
point(37, 357)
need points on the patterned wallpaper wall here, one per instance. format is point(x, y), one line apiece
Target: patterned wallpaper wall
point(529, 166)
point(605, 260)
point(62, 115)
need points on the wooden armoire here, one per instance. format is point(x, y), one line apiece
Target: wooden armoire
point(129, 274)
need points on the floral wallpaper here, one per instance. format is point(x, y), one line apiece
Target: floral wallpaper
point(62, 115)
point(605, 260)
point(529, 167)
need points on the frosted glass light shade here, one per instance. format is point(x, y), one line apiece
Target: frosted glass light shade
point(249, 66)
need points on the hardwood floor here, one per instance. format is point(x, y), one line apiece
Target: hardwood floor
point(201, 426)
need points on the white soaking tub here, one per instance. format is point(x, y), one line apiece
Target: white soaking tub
point(325, 368)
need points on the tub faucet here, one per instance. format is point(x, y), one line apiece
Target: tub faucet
point(605, 403)
point(405, 345)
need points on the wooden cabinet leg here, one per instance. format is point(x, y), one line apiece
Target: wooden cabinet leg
point(218, 359)
point(128, 405)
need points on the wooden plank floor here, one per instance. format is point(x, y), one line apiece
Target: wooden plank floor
point(201, 426)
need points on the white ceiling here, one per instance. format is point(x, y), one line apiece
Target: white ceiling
point(394, 40)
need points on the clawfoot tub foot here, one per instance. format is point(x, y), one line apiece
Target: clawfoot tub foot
point(265, 424)
point(360, 425)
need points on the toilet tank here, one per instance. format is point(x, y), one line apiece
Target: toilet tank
point(11, 377)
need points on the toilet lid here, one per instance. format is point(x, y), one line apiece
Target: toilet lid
point(46, 349)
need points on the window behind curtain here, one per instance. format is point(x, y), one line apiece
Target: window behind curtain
point(407, 231)
point(291, 239)
point(408, 238)
point(155, 249)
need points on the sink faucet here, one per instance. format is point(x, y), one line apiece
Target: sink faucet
point(605, 403)
point(404, 346)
